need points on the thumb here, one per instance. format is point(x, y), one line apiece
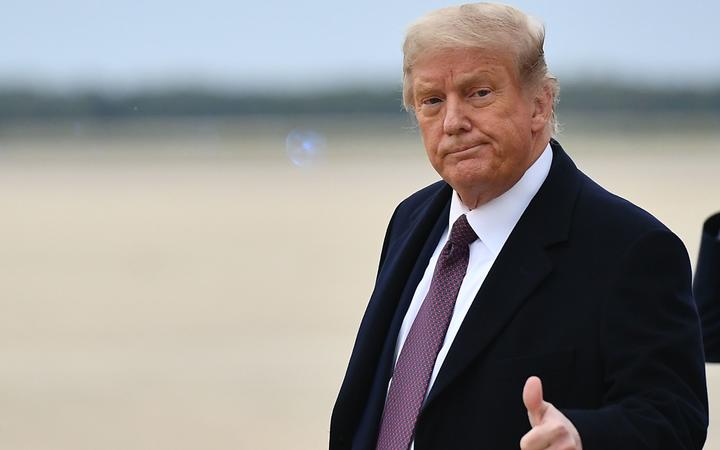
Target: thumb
point(533, 399)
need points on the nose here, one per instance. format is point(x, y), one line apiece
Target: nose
point(456, 118)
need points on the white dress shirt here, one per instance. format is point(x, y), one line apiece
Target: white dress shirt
point(492, 222)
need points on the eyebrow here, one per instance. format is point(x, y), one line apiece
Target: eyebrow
point(471, 77)
point(423, 87)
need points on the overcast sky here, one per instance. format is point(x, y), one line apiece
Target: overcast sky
point(315, 43)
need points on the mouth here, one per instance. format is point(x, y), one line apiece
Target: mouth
point(463, 149)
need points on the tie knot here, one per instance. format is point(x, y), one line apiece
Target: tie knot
point(462, 233)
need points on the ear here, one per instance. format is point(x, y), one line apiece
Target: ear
point(542, 107)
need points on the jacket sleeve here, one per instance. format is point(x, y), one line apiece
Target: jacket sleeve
point(655, 396)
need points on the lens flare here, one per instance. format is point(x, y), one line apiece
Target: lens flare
point(304, 147)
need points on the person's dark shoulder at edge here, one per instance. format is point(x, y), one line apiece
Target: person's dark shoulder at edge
point(706, 287)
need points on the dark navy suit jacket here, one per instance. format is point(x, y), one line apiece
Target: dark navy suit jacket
point(589, 292)
point(707, 287)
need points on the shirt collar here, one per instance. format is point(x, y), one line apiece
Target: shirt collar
point(494, 221)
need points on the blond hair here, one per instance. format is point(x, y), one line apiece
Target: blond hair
point(487, 26)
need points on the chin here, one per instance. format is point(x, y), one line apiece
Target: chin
point(468, 181)
point(471, 168)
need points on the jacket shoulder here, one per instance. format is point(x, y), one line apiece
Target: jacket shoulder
point(613, 215)
point(419, 198)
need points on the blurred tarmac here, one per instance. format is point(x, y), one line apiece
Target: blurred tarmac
point(182, 293)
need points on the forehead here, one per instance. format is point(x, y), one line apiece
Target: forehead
point(460, 65)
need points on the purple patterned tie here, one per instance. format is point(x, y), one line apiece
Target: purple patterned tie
point(417, 358)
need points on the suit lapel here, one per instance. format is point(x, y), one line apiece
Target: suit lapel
point(371, 359)
point(521, 265)
point(366, 435)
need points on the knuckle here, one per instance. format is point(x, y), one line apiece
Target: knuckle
point(524, 443)
point(568, 444)
point(559, 431)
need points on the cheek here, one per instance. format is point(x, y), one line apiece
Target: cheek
point(431, 137)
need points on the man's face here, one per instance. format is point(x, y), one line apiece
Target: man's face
point(478, 124)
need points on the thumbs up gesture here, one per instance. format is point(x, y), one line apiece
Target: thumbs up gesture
point(550, 428)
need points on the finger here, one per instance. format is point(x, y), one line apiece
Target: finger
point(533, 400)
point(535, 439)
point(543, 437)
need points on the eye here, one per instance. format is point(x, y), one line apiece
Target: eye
point(482, 93)
point(431, 101)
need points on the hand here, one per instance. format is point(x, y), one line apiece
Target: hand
point(550, 428)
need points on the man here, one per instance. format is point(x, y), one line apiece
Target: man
point(706, 287)
point(517, 303)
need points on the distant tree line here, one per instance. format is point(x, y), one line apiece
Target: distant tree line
point(17, 103)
